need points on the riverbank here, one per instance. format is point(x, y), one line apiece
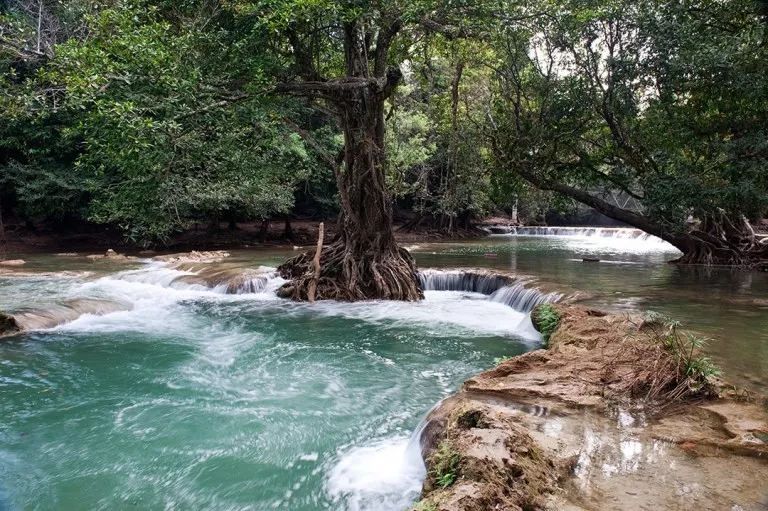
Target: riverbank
point(598, 420)
point(95, 239)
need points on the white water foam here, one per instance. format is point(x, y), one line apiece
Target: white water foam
point(385, 475)
point(156, 296)
point(443, 311)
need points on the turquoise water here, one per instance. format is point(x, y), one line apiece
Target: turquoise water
point(198, 400)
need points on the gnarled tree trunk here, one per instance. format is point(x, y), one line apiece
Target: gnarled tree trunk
point(364, 260)
point(720, 241)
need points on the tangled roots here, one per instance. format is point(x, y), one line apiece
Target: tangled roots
point(347, 275)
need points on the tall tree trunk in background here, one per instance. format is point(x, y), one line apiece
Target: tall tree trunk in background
point(264, 230)
point(364, 260)
point(3, 240)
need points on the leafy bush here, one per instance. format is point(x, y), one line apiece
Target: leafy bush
point(546, 320)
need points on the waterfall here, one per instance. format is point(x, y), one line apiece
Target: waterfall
point(600, 232)
point(500, 288)
point(249, 283)
point(522, 298)
point(456, 280)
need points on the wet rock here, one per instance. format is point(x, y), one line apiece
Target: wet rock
point(8, 324)
point(111, 255)
point(64, 312)
point(13, 262)
point(607, 430)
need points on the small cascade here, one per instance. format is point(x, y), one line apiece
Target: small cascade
point(233, 281)
point(522, 298)
point(456, 280)
point(499, 288)
point(249, 283)
point(224, 280)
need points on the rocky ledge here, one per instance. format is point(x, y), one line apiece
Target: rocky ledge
point(617, 413)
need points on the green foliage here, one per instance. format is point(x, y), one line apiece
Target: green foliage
point(132, 127)
point(546, 319)
point(150, 115)
point(664, 104)
point(444, 464)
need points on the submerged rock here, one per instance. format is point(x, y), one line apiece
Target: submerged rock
point(603, 419)
point(193, 257)
point(110, 254)
point(8, 324)
point(13, 262)
point(57, 314)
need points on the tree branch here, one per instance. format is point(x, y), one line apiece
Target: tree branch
point(383, 43)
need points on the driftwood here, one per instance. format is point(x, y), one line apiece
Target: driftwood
point(312, 287)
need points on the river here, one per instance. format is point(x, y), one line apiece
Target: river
point(195, 399)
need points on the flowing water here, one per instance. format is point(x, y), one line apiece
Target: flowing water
point(206, 394)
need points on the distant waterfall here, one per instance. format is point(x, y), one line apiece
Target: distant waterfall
point(601, 232)
point(500, 288)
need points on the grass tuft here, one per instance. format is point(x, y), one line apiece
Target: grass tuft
point(445, 464)
point(687, 371)
point(500, 360)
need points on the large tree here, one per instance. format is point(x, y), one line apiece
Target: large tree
point(364, 260)
point(663, 103)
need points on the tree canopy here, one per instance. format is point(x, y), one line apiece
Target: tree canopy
point(149, 115)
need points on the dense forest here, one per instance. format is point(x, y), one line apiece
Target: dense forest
point(151, 115)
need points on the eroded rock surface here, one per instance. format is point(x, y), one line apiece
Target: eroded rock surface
point(595, 422)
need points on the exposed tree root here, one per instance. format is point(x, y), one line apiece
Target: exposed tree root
point(720, 241)
point(388, 274)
